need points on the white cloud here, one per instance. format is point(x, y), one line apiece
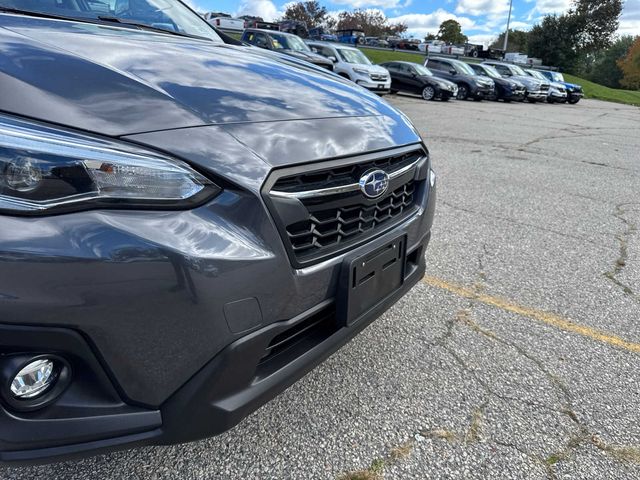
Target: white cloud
point(370, 3)
point(484, 39)
point(517, 25)
point(482, 7)
point(629, 27)
point(546, 7)
point(420, 24)
point(194, 5)
point(259, 8)
point(630, 19)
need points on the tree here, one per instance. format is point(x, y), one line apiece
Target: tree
point(574, 39)
point(451, 32)
point(630, 66)
point(518, 41)
point(605, 70)
point(430, 36)
point(309, 12)
point(598, 20)
point(373, 22)
point(555, 41)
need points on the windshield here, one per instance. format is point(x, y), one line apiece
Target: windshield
point(462, 68)
point(516, 70)
point(353, 56)
point(557, 77)
point(423, 71)
point(491, 71)
point(168, 15)
point(289, 42)
point(537, 75)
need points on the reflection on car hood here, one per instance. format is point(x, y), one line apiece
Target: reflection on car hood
point(373, 69)
point(308, 56)
point(120, 81)
point(440, 81)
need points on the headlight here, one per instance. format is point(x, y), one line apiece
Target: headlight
point(361, 71)
point(45, 170)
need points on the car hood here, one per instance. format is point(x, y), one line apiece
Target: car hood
point(373, 69)
point(441, 82)
point(119, 81)
point(529, 82)
point(572, 86)
point(308, 56)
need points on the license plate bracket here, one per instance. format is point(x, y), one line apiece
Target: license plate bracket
point(370, 278)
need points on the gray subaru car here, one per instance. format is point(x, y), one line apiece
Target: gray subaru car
point(187, 225)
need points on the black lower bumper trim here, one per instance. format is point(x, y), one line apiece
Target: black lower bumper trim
point(240, 379)
point(229, 387)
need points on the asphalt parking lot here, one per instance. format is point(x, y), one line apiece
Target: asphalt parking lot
point(516, 357)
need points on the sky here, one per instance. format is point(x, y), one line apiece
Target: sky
point(481, 20)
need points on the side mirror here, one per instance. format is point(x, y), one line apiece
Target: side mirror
point(333, 59)
point(453, 71)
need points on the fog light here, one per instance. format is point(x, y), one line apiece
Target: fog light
point(34, 379)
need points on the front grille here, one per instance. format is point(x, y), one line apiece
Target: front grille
point(544, 88)
point(321, 212)
point(331, 226)
point(378, 77)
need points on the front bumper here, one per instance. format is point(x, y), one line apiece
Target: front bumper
point(514, 95)
point(537, 95)
point(483, 92)
point(557, 97)
point(375, 86)
point(574, 96)
point(165, 318)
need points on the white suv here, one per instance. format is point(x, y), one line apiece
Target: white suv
point(351, 63)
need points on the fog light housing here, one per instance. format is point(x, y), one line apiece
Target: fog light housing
point(30, 382)
point(34, 379)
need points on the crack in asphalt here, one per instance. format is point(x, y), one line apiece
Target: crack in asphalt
point(623, 240)
point(523, 224)
point(582, 434)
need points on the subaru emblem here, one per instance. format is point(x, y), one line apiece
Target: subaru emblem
point(374, 183)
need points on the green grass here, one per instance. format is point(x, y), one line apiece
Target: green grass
point(591, 90)
point(600, 92)
point(382, 56)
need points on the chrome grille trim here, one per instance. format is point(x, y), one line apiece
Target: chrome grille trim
point(321, 192)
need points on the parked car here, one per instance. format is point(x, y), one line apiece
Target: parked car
point(167, 263)
point(557, 91)
point(407, 44)
point(320, 33)
point(431, 46)
point(452, 50)
point(507, 89)
point(376, 42)
point(537, 90)
point(469, 84)
point(478, 51)
point(261, 25)
point(295, 27)
point(351, 63)
point(286, 43)
point(574, 91)
point(415, 78)
point(353, 36)
point(225, 22)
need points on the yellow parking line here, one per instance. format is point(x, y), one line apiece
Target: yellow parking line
point(541, 316)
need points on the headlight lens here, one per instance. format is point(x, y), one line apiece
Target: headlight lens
point(44, 169)
point(361, 71)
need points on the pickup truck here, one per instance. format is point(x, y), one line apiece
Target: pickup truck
point(225, 23)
